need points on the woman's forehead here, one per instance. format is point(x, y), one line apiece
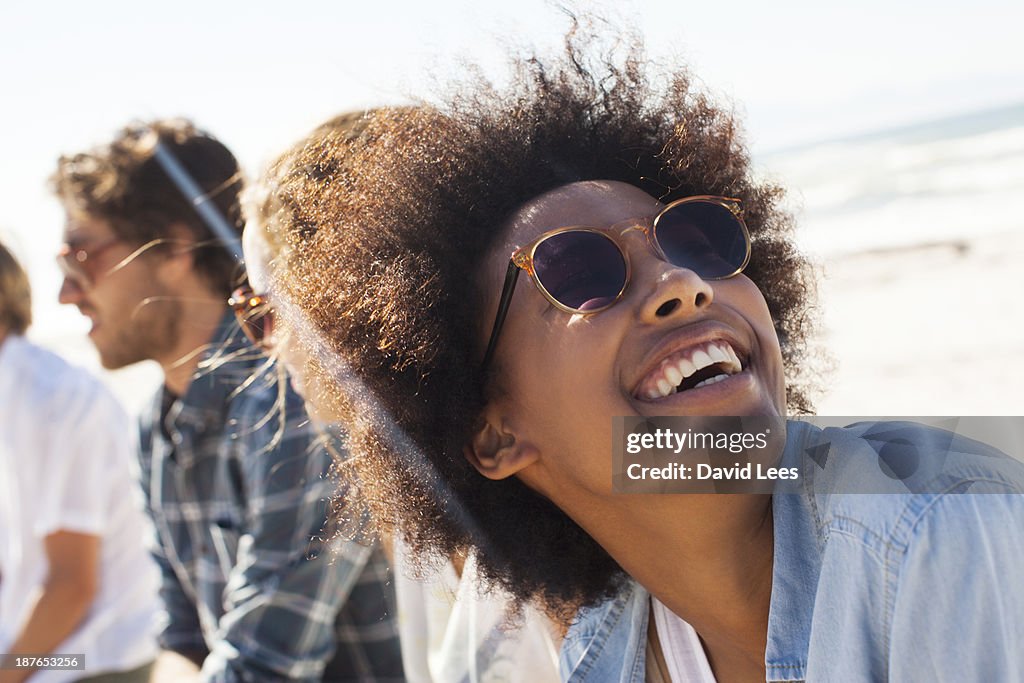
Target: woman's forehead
point(593, 203)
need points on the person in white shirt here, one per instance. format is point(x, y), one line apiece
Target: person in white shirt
point(456, 628)
point(75, 576)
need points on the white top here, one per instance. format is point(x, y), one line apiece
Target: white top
point(66, 463)
point(451, 632)
point(680, 644)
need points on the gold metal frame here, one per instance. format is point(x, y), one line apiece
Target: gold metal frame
point(72, 260)
point(523, 256)
point(522, 259)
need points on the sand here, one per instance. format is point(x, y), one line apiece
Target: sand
point(934, 329)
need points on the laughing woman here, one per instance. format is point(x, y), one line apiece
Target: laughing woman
point(487, 284)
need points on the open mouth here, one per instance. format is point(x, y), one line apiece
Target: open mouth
point(90, 315)
point(691, 368)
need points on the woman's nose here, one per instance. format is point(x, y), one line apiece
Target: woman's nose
point(666, 290)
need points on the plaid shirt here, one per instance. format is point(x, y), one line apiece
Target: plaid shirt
point(237, 490)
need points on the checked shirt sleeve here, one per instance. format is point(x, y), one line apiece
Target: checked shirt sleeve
point(285, 589)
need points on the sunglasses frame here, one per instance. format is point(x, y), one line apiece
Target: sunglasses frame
point(522, 259)
point(247, 305)
point(72, 259)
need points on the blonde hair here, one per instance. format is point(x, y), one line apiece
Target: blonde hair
point(15, 294)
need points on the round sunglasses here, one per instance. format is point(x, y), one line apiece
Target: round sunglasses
point(79, 263)
point(585, 270)
point(254, 314)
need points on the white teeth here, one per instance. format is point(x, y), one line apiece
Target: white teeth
point(673, 375)
point(717, 354)
point(702, 360)
point(734, 358)
point(711, 380)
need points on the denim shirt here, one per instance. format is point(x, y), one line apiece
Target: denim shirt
point(888, 585)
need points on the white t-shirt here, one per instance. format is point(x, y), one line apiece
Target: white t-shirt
point(680, 645)
point(453, 633)
point(66, 463)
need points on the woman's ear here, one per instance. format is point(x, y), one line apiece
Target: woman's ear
point(496, 450)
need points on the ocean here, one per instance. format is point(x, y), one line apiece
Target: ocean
point(935, 182)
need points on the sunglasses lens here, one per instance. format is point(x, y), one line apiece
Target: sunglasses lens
point(73, 270)
point(256, 327)
point(582, 270)
point(705, 237)
point(254, 315)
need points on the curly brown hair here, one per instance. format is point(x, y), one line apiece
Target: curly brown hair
point(299, 181)
point(122, 183)
point(384, 233)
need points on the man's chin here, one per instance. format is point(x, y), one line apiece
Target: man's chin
point(115, 359)
point(120, 345)
point(112, 363)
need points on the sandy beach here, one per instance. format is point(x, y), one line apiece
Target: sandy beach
point(934, 329)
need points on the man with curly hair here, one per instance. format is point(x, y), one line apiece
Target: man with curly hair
point(232, 471)
point(480, 412)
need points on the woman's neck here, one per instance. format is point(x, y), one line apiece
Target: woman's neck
point(708, 558)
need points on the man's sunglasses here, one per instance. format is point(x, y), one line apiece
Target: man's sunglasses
point(254, 313)
point(586, 270)
point(79, 264)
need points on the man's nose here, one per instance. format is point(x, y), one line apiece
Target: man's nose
point(70, 291)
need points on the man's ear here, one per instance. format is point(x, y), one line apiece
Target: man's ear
point(496, 450)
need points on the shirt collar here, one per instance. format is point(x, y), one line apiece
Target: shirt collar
point(606, 643)
point(8, 348)
point(223, 367)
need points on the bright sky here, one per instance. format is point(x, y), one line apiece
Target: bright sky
point(259, 74)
